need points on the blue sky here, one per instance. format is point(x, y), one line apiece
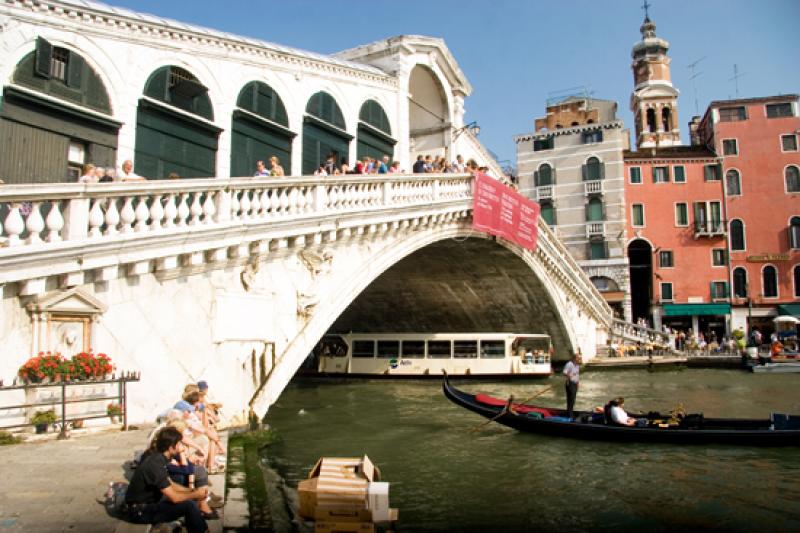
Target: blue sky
point(516, 52)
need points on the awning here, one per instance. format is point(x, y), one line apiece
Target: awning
point(789, 309)
point(696, 309)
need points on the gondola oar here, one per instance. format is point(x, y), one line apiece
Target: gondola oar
point(510, 402)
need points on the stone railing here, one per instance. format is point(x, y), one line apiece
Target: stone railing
point(626, 331)
point(51, 229)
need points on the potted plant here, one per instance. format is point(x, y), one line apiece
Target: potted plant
point(114, 410)
point(42, 367)
point(42, 419)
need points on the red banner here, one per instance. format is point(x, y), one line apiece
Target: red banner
point(500, 210)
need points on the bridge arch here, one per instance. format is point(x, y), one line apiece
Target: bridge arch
point(342, 290)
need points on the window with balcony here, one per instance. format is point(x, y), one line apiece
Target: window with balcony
point(794, 233)
point(635, 175)
point(737, 235)
point(779, 110)
point(548, 212)
point(594, 210)
point(740, 282)
point(543, 144)
point(590, 137)
point(637, 215)
point(769, 281)
point(708, 217)
point(792, 174)
point(660, 174)
point(712, 172)
point(681, 214)
point(665, 259)
point(789, 143)
point(733, 185)
point(593, 169)
point(732, 114)
point(544, 176)
point(679, 173)
point(666, 291)
point(730, 147)
point(719, 257)
point(719, 290)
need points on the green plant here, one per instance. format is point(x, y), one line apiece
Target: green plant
point(8, 438)
point(114, 409)
point(44, 417)
point(44, 365)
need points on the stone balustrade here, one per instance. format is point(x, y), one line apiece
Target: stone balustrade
point(626, 331)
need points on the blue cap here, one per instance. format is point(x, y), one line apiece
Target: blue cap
point(202, 385)
point(183, 405)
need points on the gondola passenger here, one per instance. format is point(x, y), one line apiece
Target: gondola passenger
point(617, 414)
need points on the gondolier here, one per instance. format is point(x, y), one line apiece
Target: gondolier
point(572, 371)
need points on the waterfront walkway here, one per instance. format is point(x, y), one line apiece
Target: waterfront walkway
point(54, 485)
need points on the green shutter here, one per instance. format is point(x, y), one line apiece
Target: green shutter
point(74, 70)
point(44, 54)
point(535, 178)
point(253, 140)
point(318, 142)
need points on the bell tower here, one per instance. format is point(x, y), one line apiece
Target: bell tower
point(654, 101)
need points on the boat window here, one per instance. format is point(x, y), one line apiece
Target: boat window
point(413, 349)
point(493, 349)
point(364, 349)
point(388, 349)
point(439, 349)
point(465, 349)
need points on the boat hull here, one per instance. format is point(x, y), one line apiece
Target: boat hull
point(749, 432)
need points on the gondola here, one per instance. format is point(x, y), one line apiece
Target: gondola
point(777, 430)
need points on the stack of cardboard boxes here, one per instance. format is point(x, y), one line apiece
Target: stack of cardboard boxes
point(345, 494)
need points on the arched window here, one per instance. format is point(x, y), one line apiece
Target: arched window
point(733, 185)
point(797, 281)
point(170, 140)
point(769, 281)
point(374, 132)
point(593, 169)
point(604, 284)
point(792, 179)
point(666, 119)
point(737, 235)
point(543, 176)
point(324, 134)
point(260, 130)
point(794, 233)
point(594, 210)
point(548, 212)
point(651, 120)
point(740, 282)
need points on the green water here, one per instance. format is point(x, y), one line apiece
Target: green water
point(446, 478)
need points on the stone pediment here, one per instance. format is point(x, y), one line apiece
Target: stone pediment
point(70, 302)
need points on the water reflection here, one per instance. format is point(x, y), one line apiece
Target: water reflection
point(446, 478)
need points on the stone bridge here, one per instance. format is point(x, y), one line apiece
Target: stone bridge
point(235, 280)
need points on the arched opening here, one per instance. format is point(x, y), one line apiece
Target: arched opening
point(666, 119)
point(544, 176)
point(173, 129)
point(611, 292)
point(796, 276)
point(593, 169)
point(794, 233)
point(47, 133)
point(374, 132)
point(428, 113)
point(737, 235)
point(740, 282)
point(640, 257)
point(548, 212)
point(594, 210)
point(651, 120)
point(260, 130)
point(733, 185)
point(792, 175)
point(324, 133)
point(769, 282)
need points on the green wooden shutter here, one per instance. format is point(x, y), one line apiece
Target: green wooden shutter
point(74, 70)
point(44, 54)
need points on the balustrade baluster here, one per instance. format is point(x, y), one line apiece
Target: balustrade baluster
point(301, 199)
point(333, 198)
point(210, 206)
point(112, 217)
point(309, 199)
point(245, 204)
point(127, 215)
point(255, 204)
point(96, 218)
point(34, 224)
point(196, 210)
point(183, 210)
point(170, 211)
point(156, 213)
point(266, 203)
point(54, 221)
point(284, 202)
point(235, 205)
point(274, 202)
point(142, 214)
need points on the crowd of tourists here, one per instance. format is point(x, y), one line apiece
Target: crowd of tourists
point(170, 480)
point(97, 174)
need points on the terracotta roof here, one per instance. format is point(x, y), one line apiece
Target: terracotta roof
point(670, 152)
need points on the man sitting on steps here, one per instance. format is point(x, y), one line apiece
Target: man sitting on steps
point(153, 498)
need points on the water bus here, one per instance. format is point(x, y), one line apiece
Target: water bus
point(486, 355)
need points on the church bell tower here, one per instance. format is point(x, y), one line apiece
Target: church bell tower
point(654, 101)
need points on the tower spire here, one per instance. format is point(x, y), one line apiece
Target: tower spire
point(646, 7)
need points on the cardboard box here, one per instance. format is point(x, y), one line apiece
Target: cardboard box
point(346, 467)
point(378, 500)
point(344, 527)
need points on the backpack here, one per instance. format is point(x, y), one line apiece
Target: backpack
point(114, 501)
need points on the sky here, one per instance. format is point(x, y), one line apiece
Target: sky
point(517, 53)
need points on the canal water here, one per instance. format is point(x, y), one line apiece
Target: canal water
point(445, 477)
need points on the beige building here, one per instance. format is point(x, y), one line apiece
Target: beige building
point(572, 165)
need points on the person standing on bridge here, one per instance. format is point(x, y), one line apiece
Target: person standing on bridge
point(572, 372)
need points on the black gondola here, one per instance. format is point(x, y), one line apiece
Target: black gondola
point(778, 430)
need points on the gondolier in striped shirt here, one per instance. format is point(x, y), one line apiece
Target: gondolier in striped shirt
point(572, 373)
